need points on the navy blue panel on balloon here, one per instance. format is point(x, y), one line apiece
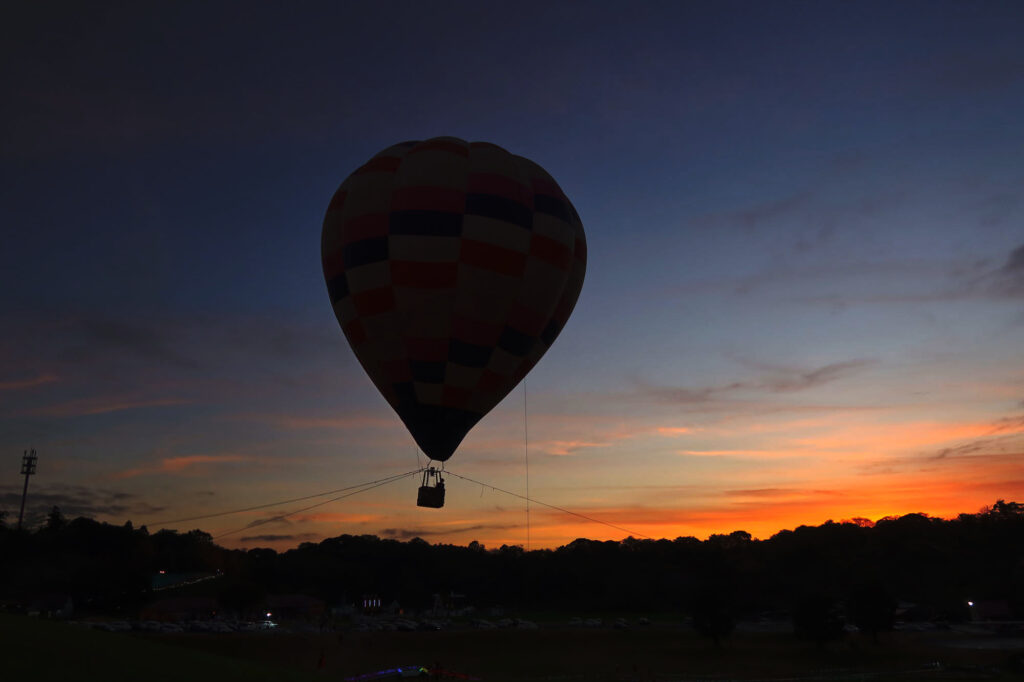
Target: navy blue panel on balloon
point(515, 342)
point(337, 287)
point(364, 252)
point(427, 372)
point(499, 208)
point(468, 354)
point(552, 206)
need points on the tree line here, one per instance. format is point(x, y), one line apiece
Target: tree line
point(931, 566)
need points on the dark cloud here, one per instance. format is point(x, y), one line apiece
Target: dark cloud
point(410, 533)
point(1009, 279)
point(146, 341)
point(772, 379)
point(75, 501)
point(297, 537)
point(780, 379)
point(778, 492)
point(965, 449)
point(966, 281)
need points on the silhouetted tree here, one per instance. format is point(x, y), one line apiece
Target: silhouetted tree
point(872, 608)
point(817, 617)
point(713, 612)
point(55, 520)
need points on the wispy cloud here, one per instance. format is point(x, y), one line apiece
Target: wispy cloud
point(410, 533)
point(738, 453)
point(98, 405)
point(675, 430)
point(313, 422)
point(290, 538)
point(770, 379)
point(184, 464)
point(76, 500)
point(18, 384)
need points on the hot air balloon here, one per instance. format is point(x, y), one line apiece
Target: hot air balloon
point(451, 266)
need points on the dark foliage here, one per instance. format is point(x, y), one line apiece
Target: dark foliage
point(821, 575)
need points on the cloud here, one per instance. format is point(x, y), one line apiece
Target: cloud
point(98, 405)
point(18, 384)
point(675, 430)
point(137, 337)
point(736, 453)
point(778, 492)
point(297, 537)
point(772, 379)
point(1009, 279)
point(75, 501)
point(756, 215)
point(185, 463)
point(410, 533)
point(341, 422)
point(781, 379)
point(965, 281)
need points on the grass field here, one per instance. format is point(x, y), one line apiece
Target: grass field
point(36, 650)
point(659, 653)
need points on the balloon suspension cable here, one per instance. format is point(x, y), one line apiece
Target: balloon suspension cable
point(526, 453)
point(550, 506)
point(387, 479)
point(361, 489)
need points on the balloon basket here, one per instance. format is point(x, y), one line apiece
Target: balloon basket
point(431, 493)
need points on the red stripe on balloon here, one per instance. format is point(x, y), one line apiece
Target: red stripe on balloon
point(492, 381)
point(550, 251)
point(526, 320)
point(355, 332)
point(334, 265)
point(374, 301)
point(453, 396)
point(493, 258)
point(397, 371)
point(380, 164)
point(428, 350)
point(424, 275)
point(364, 227)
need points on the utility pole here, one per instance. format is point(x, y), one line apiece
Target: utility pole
point(28, 467)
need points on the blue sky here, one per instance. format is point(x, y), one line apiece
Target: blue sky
point(804, 289)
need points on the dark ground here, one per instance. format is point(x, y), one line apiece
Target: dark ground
point(43, 650)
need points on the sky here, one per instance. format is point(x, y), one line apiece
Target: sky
point(804, 296)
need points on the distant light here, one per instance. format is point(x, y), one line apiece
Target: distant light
point(970, 603)
point(268, 614)
point(162, 572)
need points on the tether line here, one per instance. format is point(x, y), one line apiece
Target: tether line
point(545, 504)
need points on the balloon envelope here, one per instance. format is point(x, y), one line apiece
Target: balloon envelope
point(451, 266)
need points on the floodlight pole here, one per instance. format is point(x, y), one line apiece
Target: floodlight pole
point(28, 467)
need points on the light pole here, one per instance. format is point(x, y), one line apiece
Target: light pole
point(28, 467)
